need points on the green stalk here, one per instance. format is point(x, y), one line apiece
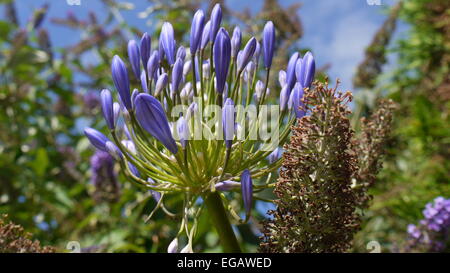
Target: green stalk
point(221, 222)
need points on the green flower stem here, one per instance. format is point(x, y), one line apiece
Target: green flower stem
point(221, 222)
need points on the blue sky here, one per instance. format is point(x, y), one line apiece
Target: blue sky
point(336, 31)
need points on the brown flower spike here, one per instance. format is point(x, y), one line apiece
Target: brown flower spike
point(316, 204)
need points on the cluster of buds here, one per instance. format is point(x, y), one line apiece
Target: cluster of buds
point(198, 124)
point(432, 233)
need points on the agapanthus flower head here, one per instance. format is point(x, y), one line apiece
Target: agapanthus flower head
point(167, 142)
point(197, 26)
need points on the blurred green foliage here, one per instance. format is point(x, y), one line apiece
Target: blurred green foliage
point(417, 167)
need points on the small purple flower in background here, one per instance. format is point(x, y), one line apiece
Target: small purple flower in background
point(91, 100)
point(432, 233)
point(104, 177)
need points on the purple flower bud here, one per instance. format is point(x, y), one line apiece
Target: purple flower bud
point(161, 83)
point(275, 155)
point(152, 118)
point(290, 73)
point(259, 90)
point(282, 78)
point(112, 149)
point(299, 71)
point(205, 35)
point(295, 98)
point(153, 64)
point(227, 185)
point(257, 52)
point(183, 131)
point(134, 95)
point(192, 110)
point(107, 108)
point(181, 53)
point(116, 112)
point(196, 30)
point(222, 54)
point(186, 68)
point(130, 146)
point(284, 98)
point(228, 122)
point(173, 246)
point(134, 170)
point(146, 47)
point(247, 53)
point(236, 41)
point(97, 139)
point(268, 43)
point(144, 83)
point(216, 19)
point(167, 39)
point(247, 190)
point(177, 74)
point(309, 68)
point(134, 56)
point(121, 81)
